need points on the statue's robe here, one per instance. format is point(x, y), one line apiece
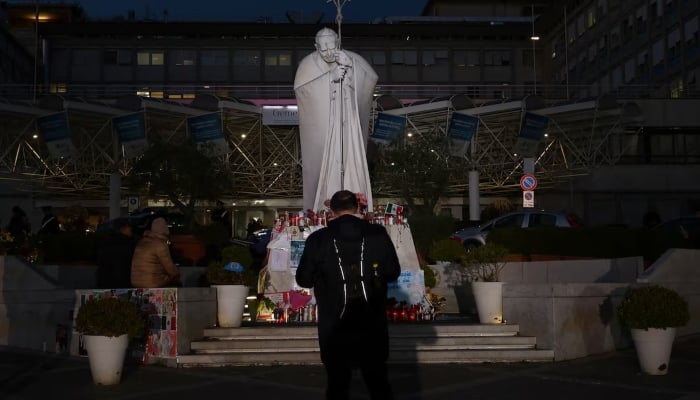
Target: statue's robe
point(334, 132)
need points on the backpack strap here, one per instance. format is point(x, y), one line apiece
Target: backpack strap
point(342, 273)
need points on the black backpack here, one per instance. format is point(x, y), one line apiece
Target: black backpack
point(357, 277)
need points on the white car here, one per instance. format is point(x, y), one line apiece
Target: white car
point(475, 236)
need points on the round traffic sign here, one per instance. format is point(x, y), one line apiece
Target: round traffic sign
point(528, 182)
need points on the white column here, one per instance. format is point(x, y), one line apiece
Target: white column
point(474, 196)
point(115, 183)
point(528, 165)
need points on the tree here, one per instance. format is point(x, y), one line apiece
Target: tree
point(416, 168)
point(181, 173)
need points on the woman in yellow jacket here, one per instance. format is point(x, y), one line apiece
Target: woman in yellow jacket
point(152, 266)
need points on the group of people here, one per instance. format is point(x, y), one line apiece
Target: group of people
point(123, 262)
point(20, 226)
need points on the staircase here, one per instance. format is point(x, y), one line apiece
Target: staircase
point(410, 343)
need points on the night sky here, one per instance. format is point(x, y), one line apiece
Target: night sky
point(361, 11)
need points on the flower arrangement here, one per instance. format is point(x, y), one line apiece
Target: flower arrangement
point(6, 242)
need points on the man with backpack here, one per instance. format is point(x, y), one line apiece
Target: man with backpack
point(348, 264)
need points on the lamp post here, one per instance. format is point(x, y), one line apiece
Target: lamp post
point(533, 39)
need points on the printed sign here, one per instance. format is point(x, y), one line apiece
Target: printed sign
point(280, 115)
point(297, 249)
point(528, 182)
point(460, 133)
point(531, 133)
point(387, 128)
point(409, 287)
point(55, 131)
point(131, 129)
point(208, 133)
point(528, 199)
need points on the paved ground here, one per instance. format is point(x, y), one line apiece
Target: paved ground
point(35, 375)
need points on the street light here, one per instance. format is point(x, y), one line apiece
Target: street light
point(533, 39)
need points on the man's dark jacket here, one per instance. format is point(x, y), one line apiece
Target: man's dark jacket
point(114, 261)
point(362, 335)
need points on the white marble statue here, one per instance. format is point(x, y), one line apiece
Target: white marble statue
point(334, 89)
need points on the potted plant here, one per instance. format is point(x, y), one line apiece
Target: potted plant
point(652, 314)
point(232, 276)
point(106, 325)
point(482, 268)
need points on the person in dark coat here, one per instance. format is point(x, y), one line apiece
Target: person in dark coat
point(114, 257)
point(49, 224)
point(19, 225)
point(352, 330)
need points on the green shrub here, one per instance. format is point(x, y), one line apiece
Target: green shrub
point(594, 242)
point(485, 263)
point(110, 316)
point(429, 276)
point(426, 229)
point(446, 250)
point(653, 307)
point(217, 274)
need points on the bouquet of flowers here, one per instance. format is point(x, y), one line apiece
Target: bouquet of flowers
point(6, 242)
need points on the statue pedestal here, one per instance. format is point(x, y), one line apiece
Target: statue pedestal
point(281, 279)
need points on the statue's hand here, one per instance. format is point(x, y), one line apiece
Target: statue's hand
point(343, 66)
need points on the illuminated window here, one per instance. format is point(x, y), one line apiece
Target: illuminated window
point(57, 88)
point(278, 58)
point(149, 58)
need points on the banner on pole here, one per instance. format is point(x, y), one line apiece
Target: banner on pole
point(131, 129)
point(531, 134)
point(460, 133)
point(55, 132)
point(207, 132)
point(387, 128)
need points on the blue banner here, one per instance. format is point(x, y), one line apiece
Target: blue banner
point(53, 127)
point(205, 127)
point(462, 127)
point(533, 126)
point(130, 127)
point(387, 128)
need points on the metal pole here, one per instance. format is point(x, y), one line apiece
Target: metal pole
point(566, 51)
point(532, 39)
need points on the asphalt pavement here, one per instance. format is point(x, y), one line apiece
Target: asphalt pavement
point(26, 375)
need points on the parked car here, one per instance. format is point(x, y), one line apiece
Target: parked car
point(688, 227)
point(473, 237)
point(140, 221)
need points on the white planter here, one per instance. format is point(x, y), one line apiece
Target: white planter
point(106, 357)
point(489, 301)
point(654, 349)
point(230, 301)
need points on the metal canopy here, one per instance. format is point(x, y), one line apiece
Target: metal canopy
point(265, 161)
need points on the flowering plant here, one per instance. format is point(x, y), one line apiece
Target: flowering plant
point(234, 268)
point(6, 241)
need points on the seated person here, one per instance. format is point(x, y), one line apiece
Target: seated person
point(151, 265)
point(114, 257)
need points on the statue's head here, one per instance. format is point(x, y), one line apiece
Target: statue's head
point(327, 44)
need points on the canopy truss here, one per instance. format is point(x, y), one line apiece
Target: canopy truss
point(265, 161)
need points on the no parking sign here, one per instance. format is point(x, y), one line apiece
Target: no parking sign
point(528, 183)
point(133, 203)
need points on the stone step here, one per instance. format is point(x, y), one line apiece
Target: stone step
point(261, 342)
point(410, 343)
point(397, 356)
point(406, 330)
